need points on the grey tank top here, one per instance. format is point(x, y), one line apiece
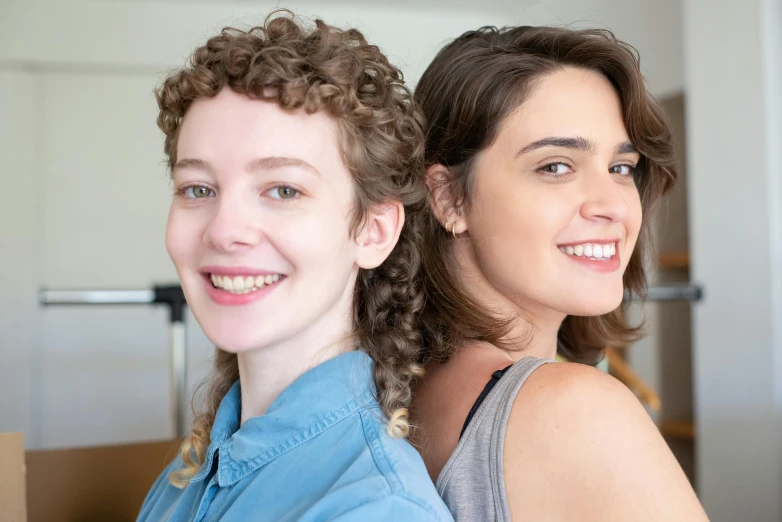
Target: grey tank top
point(472, 482)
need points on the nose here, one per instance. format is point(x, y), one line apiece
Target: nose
point(234, 227)
point(603, 198)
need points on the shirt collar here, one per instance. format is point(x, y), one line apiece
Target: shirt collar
point(314, 402)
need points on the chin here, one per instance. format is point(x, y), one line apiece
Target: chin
point(231, 339)
point(236, 344)
point(595, 307)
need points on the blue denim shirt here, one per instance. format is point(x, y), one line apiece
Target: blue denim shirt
point(320, 452)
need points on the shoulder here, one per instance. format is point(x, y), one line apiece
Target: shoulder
point(569, 405)
point(583, 432)
point(162, 496)
point(569, 388)
point(402, 470)
point(391, 508)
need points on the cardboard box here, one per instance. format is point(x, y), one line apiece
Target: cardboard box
point(13, 507)
point(100, 484)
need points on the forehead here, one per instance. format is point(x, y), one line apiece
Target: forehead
point(233, 127)
point(568, 102)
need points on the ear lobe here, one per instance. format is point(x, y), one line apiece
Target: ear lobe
point(380, 234)
point(441, 196)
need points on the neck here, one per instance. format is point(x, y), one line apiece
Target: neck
point(266, 372)
point(535, 328)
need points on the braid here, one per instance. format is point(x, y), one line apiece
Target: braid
point(388, 301)
point(195, 444)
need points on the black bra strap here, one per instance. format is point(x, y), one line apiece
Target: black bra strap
point(495, 378)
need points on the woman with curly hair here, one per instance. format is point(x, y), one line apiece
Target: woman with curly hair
point(546, 158)
point(294, 155)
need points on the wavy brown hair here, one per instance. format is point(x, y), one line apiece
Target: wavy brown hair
point(466, 94)
point(381, 136)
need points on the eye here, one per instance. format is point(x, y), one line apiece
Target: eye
point(556, 169)
point(623, 170)
point(197, 192)
point(283, 192)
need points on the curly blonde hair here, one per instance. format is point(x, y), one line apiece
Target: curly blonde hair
point(381, 139)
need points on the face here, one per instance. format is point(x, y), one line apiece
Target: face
point(259, 227)
point(555, 212)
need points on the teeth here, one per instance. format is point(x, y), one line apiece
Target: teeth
point(243, 284)
point(591, 250)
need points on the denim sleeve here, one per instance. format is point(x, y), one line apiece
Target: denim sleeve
point(158, 489)
point(394, 508)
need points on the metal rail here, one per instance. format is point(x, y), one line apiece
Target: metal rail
point(169, 295)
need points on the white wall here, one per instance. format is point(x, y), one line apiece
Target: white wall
point(653, 27)
point(734, 90)
point(151, 35)
point(772, 63)
point(19, 259)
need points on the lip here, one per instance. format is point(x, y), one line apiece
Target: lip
point(234, 271)
point(224, 298)
point(612, 265)
point(593, 241)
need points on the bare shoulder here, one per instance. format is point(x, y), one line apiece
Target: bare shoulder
point(576, 392)
point(579, 445)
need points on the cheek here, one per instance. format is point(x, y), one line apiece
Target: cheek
point(314, 240)
point(514, 234)
point(634, 218)
point(177, 236)
point(525, 215)
point(185, 231)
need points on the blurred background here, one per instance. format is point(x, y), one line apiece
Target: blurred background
point(85, 193)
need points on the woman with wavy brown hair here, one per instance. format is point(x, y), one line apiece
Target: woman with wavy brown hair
point(294, 156)
point(545, 160)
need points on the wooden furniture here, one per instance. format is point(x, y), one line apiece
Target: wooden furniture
point(12, 478)
point(618, 367)
point(96, 484)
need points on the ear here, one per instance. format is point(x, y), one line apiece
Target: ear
point(380, 234)
point(445, 208)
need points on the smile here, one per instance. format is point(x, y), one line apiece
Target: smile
point(592, 251)
point(244, 284)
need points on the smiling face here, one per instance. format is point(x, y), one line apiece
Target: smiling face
point(555, 212)
point(259, 227)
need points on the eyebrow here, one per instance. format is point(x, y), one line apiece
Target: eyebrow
point(625, 148)
point(278, 162)
point(192, 163)
point(575, 143)
point(265, 163)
